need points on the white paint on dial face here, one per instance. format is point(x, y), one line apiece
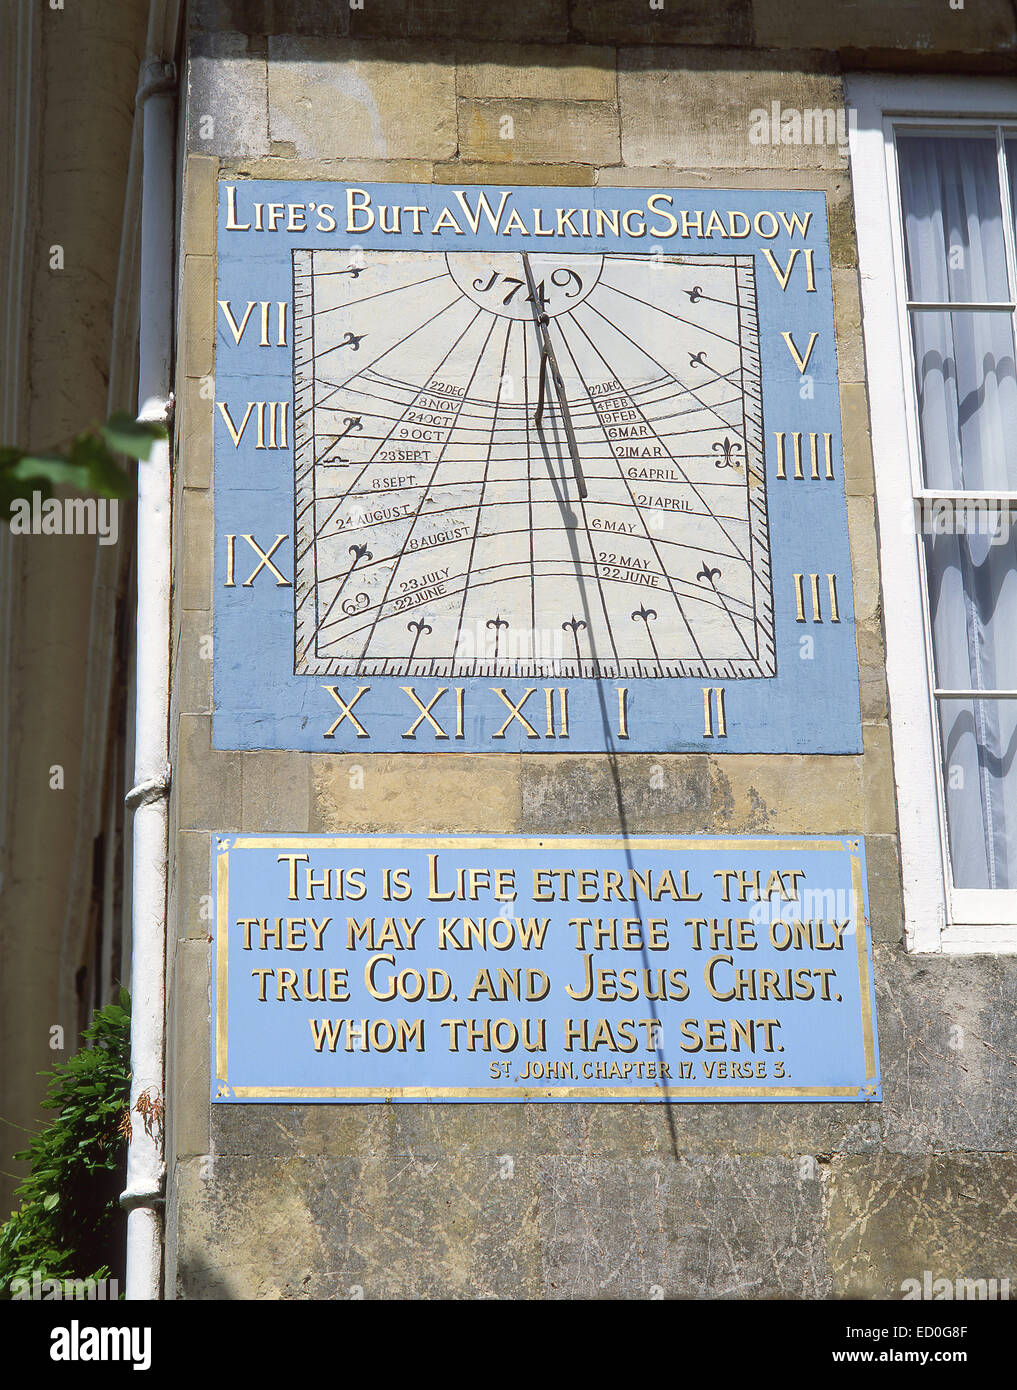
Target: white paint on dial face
point(440, 531)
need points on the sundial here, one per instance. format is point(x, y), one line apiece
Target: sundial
point(442, 532)
point(529, 469)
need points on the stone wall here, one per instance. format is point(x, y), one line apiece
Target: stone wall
point(564, 1200)
point(69, 78)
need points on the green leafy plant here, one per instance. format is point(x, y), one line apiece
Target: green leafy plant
point(69, 1224)
point(87, 461)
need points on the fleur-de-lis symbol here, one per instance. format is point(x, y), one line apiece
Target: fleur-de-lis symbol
point(497, 623)
point(359, 552)
point(694, 294)
point(352, 340)
point(352, 422)
point(646, 614)
point(698, 359)
point(418, 627)
point(711, 574)
point(575, 624)
point(728, 449)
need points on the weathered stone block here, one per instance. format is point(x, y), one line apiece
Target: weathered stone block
point(506, 131)
point(276, 792)
point(227, 102)
point(323, 17)
point(637, 793)
point(782, 795)
point(189, 1012)
point(547, 175)
point(570, 72)
point(847, 313)
point(877, 781)
point(602, 1131)
point(193, 882)
point(526, 21)
point(233, 1244)
point(691, 22)
point(419, 794)
point(199, 218)
point(733, 1227)
point(947, 1051)
point(463, 1229)
point(890, 1218)
point(193, 566)
point(207, 784)
point(864, 558)
point(886, 906)
point(692, 108)
point(192, 677)
point(198, 315)
point(344, 170)
point(194, 431)
point(356, 99)
point(870, 24)
point(859, 480)
point(871, 671)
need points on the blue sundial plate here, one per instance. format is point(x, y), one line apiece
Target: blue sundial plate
point(378, 375)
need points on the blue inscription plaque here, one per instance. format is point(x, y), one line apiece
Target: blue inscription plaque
point(469, 968)
point(528, 469)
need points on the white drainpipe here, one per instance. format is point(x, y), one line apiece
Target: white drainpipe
point(146, 1170)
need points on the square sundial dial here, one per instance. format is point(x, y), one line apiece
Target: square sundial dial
point(439, 531)
point(529, 469)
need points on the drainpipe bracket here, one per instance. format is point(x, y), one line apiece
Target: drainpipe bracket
point(144, 793)
point(144, 1194)
point(158, 410)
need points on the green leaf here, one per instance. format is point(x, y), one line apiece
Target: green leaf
point(129, 436)
point(12, 490)
point(51, 1201)
point(50, 466)
point(105, 475)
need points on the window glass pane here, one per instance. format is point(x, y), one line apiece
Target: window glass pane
point(979, 742)
point(971, 563)
point(953, 223)
point(1010, 146)
point(967, 399)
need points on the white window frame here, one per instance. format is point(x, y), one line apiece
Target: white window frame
point(936, 917)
